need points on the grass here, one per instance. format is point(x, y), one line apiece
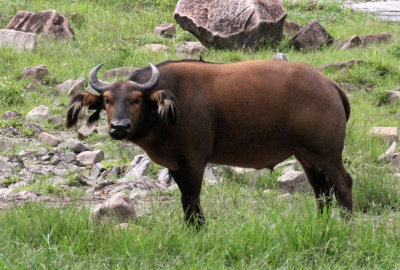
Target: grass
point(246, 228)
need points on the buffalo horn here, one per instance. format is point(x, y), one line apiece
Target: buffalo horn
point(155, 76)
point(94, 81)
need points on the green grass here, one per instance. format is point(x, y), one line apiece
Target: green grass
point(246, 228)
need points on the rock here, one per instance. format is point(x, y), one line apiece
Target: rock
point(279, 57)
point(190, 49)
point(138, 193)
point(37, 73)
point(96, 171)
point(11, 131)
point(64, 87)
point(119, 206)
point(156, 48)
point(47, 22)
point(138, 167)
point(115, 171)
point(69, 157)
point(86, 131)
point(212, 175)
point(31, 87)
point(165, 178)
point(341, 64)
point(75, 145)
point(293, 181)
point(90, 157)
point(11, 115)
point(4, 167)
point(290, 168)
point(47, 138)
point(285, 196)
point(291, 28)
point(166, 30)
point(103, 184)
point(348, 86)
point(290, 162)
point(36, 128)
point(103, 130)
point(388, 155)
point(57, 120)
point(313, 36)
point(393, 96)
point(122, 72)
point(38, 114)
point(268, 191)
point(145, 183)
point(389, 134)
point(352, 42)
point(235, 24)
point(78, 86)
point(17, 39)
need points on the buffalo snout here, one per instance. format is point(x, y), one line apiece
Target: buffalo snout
point(120, 128)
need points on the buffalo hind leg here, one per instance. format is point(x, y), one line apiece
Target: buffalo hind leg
point(342, 184)
point(317, 178)
point(189, 183)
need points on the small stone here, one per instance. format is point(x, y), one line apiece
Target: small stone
point(10, 115)
point(38, 114)
point(103, 130)
point(279, 57)
point(47, 138)
point(166, 30)
point(17, 39)
point(37, 73)
point(293, 181)
point(86, 131)
point(290, 168)
point(156, 48)
point(138, 167)
point(352, 42)
point(57, 120)
point(115, 171)
point(11, 131)
point(69, 157)
point(290, 162)
point(165, 178)
point(285, 196)
point(389, 134)
point(75, 145)
point(291, 28)
point(119, 206)
point(31, 87)
point(268, 191)
point(190, 49)
point(64, 87)
point(90, 157)
point(393, 96)
point(36, 128)
point(387, 156)
point(138, 193)
point(96, 171)
point(78, 86)
point(122, 72)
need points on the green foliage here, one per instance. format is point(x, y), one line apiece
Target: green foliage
point(10, 92)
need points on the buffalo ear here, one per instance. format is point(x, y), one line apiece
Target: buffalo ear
point(80, 101)
point(167, 109)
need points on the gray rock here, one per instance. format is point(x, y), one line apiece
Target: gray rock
point(285, 196)
point(156, 48)
point(165, 178)
point(17, 39)
point(11, 115)
point(146, 183)
point(47, 138)
point(212, 175)
point(291, 28)
point(4, 168)
point(103, 184)
point(103, 130)
point(352, 42)
point(64, 87)
point(293, 181)
point(69, 157)
point(57, 120)
point(290, 168)
point(11, 131)
point(6, 145)
point(37, 73)
point(75, 145)
point(119, 206)
point(86, 131)
point(341, 64)
point(38, 114)
point(138, 193)
point(234, 24)
point(390, 134)
point(96, 171)
point(393, 96)
point(31, 87)
point(313, 36)
point(115, 171)
point(49, 23)
point(166, 30)
point(290, 162)
point(78, 86)
point(122, 72)
point(362, 41)
point(190, 49)
point(388, 155)
point(279, 57)
point(90, 157)
point(36, 128)
point(138, 167)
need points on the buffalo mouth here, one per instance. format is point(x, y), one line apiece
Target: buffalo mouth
point(118, 134)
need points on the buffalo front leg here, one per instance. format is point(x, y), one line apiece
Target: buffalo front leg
point(189, 182)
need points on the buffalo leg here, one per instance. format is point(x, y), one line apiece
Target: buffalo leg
point(321, 187)
point(342, 184)
point(189, 183)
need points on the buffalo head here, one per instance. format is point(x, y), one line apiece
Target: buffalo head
point(132, 108)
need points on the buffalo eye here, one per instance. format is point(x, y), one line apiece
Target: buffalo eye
point(106, 101)
point(136, 101)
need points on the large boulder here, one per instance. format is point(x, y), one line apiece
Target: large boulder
point(232, 24)
point(37, 73)
point(17, 39)
point(47, 22)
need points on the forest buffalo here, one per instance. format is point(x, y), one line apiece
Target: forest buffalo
point(255, 114)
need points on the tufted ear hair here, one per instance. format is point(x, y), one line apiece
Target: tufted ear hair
point(167, 109)
point(84, 100)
